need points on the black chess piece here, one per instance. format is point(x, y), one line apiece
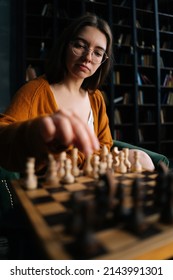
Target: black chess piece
point(166, 201)
point(136, 221)
point(85, 244)
point(120, 210)
point(105, 198)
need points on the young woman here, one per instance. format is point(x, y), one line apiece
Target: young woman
point(64, 107)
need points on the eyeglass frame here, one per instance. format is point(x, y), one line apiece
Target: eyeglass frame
point(87, 50)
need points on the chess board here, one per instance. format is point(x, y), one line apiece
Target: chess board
point(86, 220)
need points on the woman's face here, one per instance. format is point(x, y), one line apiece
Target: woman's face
point(86, 53)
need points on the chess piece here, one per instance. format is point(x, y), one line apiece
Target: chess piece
point(68, 177)
point(87, 169)
point(109, 161)
point(95, 171)
point(30, 181)
point(115, 153)
point(75, 169)
point(102, 168)
point(126, 158)
point(136, 220)
point(85, 243)
point(136, 166)
point(104, 153)
point(51, 174)
point(121, 168)
point(119, 209)
point(166, 201)
point(61, 170)
point(116, 162)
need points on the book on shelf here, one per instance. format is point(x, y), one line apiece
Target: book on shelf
point(161, 62)
point(149, 116)
point(140, 135)
point(127, 39)
point(162, 120)
point(117, 117)
point(138, 25)
point(127, 98)
point(117, 134)
point(118, 99)
point(168, 81)
point(140, 97)
point(116, 77)
point(145, 80)
point(139, 81)
point(166, 45)
point(47, 10)
point(170, 98)
point(124, 3)
point(146, 59)
point(164, 97)
point(30, 73)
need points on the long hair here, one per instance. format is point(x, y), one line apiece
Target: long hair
point(56, 65)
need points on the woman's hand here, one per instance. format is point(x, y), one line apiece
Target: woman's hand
point(66, 128)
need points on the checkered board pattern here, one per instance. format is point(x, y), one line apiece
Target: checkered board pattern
point(49, 206)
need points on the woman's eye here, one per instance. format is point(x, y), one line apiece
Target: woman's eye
point(98, 53)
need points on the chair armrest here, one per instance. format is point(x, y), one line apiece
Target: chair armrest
point(155, 157)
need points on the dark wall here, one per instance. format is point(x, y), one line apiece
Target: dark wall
point(4, 54)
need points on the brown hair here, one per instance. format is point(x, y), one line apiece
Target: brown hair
point(56, 66)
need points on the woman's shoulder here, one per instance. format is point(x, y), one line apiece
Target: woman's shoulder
point(35, 83)
point(97, 96)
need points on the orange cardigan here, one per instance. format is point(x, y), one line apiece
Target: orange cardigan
point(33, 100)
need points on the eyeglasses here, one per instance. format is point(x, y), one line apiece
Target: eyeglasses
point(79, 48)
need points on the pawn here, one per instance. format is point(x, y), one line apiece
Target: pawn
point(109, 161)
point(104, 153)
point(136, 166)
point(30, 181)
point(102, 168)
point(75, 169)
point(95, 171)
point(61, 170)
point(68, 177)
point(126, 159)
point(87, 169)
point(121, 168)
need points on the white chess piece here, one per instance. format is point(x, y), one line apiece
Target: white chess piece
point(51, 174)
point(87, 169)
point(104, 153)
point(30, 180)
point(75, 169)
point(126, 159)
point(95, 171)
point(109, 161)
point(68, 177)
point(121, 168)
point(61, 170)
point(136, 166)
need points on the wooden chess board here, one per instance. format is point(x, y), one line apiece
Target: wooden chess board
point(98, 234)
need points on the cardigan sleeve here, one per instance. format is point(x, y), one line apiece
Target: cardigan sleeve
point(29, 103)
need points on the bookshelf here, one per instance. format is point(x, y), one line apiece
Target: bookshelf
point(165, 16)
point(143, 73)
point(139, 93)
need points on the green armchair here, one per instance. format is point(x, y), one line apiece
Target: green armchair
point(156, 157)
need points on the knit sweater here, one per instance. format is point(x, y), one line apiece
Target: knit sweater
point(33, 100)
